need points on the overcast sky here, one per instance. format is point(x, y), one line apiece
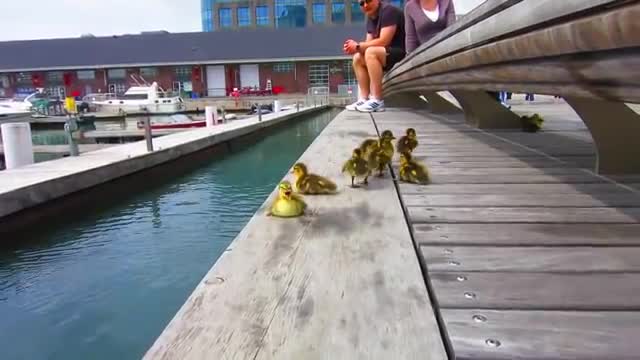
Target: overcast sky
point(39, 19)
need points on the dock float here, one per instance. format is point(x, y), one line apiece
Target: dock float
point(342, 282)
point(36, 184)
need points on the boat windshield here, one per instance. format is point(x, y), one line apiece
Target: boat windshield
point(135, 97)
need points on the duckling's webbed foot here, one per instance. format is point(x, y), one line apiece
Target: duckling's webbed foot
point(353, 184)
point(366, 180)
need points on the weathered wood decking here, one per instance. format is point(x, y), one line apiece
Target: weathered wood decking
point(529, 255)
point(343, 282)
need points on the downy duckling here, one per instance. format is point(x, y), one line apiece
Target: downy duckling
point(367, 146)
point(356, 167)
point(385, 151)
point(408, 142)
point(287, 204)
point(411, 171)
point(386, 144)
point(311, 184)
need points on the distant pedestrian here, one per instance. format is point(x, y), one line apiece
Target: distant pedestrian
point(529, 97)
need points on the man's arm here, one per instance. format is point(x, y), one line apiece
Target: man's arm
point(386, 35)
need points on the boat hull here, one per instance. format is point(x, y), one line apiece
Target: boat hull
point(117, 108)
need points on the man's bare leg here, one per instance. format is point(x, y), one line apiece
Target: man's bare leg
point(360, 69)
point(376, 59)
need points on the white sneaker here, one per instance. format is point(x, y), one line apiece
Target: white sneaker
point(372, 106)
point(354, 106)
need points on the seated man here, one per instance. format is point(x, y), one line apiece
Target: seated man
point(382, 49)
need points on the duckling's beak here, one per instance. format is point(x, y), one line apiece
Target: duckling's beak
point(287, 193)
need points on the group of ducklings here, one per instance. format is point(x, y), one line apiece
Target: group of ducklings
point(372, 155)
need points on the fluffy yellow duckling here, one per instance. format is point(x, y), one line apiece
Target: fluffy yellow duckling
point(370, 150)
point(311, 184)
point(412, 171)
point(356, 167)
point(384, 153)
point(385, 143)
point(408, 142)
point(287, 204)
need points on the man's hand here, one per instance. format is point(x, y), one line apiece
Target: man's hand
point(350, 47)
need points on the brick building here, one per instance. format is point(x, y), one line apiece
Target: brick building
point(203, 63)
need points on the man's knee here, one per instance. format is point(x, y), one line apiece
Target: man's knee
point(358, 59)
point(374, 52)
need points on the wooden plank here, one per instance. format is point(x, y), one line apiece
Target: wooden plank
point(492, 171)
point(537, 291)
point(531, 259)
point(522, 200)
point(516, 179)
point(444, 162)
point(342, 282)
point(524, 215)
point(535, 335)
point(528, 234)
point(513, 189)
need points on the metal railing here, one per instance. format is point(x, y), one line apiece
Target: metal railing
point(582, 50)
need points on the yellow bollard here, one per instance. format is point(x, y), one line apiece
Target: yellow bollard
point(70, 105)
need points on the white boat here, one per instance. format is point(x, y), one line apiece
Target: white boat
point(141, 99)
point(21, 103)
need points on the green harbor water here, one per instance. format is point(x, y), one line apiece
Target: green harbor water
point(104, 282)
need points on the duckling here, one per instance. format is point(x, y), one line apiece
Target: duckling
point(357, 167)
point(408, 142)
point(384, 153)
point(311, 184)
point(412, 171)
point(367, 145)
point(287, 204)
point(385, 143)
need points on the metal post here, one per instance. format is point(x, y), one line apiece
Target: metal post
point(69, 127)
point(147, 133)
point(297, 105)
point(224, 114)
point(259, 112)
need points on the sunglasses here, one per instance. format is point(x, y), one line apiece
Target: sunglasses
point(362, 2)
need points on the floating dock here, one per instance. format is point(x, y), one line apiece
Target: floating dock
point(36, 184)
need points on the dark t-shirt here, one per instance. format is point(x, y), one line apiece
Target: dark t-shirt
point(388, 15)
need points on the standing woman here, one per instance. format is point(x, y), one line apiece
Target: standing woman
point(424, 19)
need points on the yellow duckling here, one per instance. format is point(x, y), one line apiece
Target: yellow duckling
point(311, 184)
point(385, 143)
point(412, 171)
point(384, 154)
point(287, 204)
point(367, 146)
point(357, 167)
point(408, 142)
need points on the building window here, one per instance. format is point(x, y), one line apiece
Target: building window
point(225, 17)
point(283, 67)
point(207, 14)
point(55, 76)
point(319, 75)
point(183, 73)
point(56, 92)
point(86, 74)
point(114, 74)
point(4, 81)
point(291, 13)
point(397, 3)
point(357, 15)
point(244, 16)
point(319, 13)
point(24, 78)
point(149, 72)
point(262, 15)
point(337, 12)
point(348, 73)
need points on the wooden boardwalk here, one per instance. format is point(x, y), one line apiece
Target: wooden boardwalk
point(529, 254)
